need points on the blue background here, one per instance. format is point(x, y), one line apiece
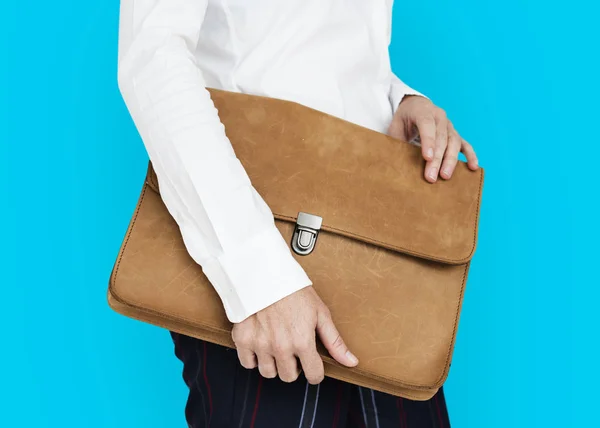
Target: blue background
point(517, 77)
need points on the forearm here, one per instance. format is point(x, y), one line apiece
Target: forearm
point(226, 226)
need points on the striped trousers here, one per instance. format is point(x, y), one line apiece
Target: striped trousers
point(224, 394)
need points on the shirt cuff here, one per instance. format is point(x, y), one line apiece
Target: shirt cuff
point(398, 90)
point(255, 275)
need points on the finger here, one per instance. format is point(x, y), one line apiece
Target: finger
point(432, 169)
point(451, 156)
point(266, 366)
point(311, 361)
point(247, 358)
point(469, 153)
point(287, 368)
point(333, 341)
point(426, 127)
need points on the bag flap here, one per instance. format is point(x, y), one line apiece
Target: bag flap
point(364, 184)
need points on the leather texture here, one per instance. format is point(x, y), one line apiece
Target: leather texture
point(391, 259)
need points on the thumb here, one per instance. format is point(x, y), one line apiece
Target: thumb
point(333, 341)
point(397, 129)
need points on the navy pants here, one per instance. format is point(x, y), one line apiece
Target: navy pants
point(224, 394)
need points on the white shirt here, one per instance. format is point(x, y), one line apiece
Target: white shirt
point(331, 55)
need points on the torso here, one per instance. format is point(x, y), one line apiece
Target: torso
point(331, 55)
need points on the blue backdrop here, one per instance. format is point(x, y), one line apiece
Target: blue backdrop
point(517, 77)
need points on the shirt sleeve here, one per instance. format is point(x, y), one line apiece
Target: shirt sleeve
point(398, 90)
point(226, 226)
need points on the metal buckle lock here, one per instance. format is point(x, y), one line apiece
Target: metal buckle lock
point(305, 233)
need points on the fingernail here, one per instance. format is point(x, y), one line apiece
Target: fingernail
point(351, 357)
point(446, 173)
point(429, 153)
point(433, 174)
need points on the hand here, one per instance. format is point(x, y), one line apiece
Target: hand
point(275, 336)
point(440, 143)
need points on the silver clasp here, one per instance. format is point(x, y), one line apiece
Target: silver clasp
point(305, 233)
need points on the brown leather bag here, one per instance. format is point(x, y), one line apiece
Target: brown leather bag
point(390, 259)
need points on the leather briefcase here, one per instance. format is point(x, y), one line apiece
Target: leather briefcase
point(387, 252)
